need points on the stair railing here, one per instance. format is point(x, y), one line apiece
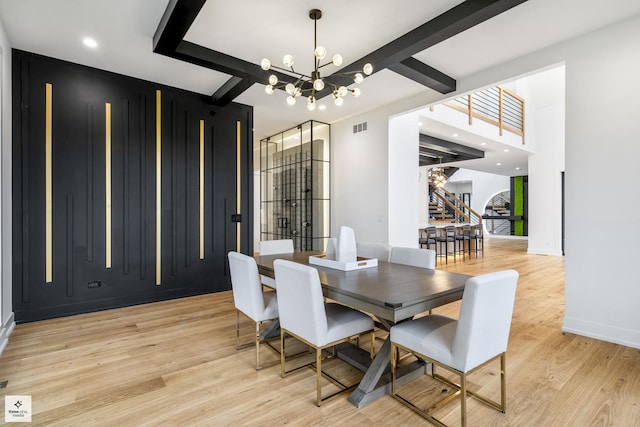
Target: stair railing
point(449, 201)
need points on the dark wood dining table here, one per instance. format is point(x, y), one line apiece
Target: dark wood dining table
point(392, 293)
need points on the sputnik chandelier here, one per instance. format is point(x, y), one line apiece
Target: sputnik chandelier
point(437, 176)
point(302, 84)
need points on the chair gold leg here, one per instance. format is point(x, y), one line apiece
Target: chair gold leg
point(394, 357)
point(257, 346)
point(318, 376)
point(372, 351)
point(463, 399)
point(237, 328)
point(503, 382)
point(282, 370)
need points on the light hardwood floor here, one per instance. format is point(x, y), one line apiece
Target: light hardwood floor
point(175, 363)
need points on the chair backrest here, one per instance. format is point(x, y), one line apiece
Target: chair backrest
point(245, 283)
point(485, 319)
point(270, 247)
point(432, 232)
point(450, 231)
point(300, 300)
point(379, 251)
point(424, 258)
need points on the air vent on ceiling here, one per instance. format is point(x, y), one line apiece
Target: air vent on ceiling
point(360, 127)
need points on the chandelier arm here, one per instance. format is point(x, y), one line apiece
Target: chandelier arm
point(289, 72)
point(322, 66)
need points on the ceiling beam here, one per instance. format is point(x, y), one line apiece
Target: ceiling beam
point(177, 18)
point(396, 55)
point(448, 146)
point(454, 21)
point(432, 157)
point(231, 90)
point(434, 151)
point(428, 76)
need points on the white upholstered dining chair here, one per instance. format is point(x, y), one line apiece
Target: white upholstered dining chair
point(271, 247)
point(305, 316)
point(461, 346)
point(416, 257)
point(379, 251)
point(261, 307)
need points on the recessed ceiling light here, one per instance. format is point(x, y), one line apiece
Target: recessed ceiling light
point(90, 42)
point(322, 107)
point(517, 168)
point(506, 150)
point(455, 135)
point(419, 123)
point(483, 143)
point(498, 164)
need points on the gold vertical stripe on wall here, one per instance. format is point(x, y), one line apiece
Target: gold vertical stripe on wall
point(158, 186)
point(48, 183)
point(238, 186)
point(107, 179)
point(201, 189)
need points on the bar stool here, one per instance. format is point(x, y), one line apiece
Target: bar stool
point(478, 236)
point(429, 239)
point(463, 239)
point(447, 236)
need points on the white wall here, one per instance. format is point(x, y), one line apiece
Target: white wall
point(545, 183)
point(484, 187)
point(602, 131)
point(602, 105)
point(404, 175)
point(359, 186)
point(6, 310)
point(545, 118)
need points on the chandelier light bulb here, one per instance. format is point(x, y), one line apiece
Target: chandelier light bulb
point(356, 92)
point(273, 80)
point(311, 103)
point(342, 91)
point(338, 100)
point(358, 78)
point(288, 61)
point(265, 64)
point(290, 88)
point(291, 100)
point(318, 84)
point(367, 69)
point(337, 60)
point(320, 52)
point(268, 89)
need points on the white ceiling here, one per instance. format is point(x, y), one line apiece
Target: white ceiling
point(251, 30)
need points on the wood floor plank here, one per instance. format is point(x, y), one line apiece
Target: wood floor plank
point(174, 363)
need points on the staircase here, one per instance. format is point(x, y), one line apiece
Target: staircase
point(498, 206)
point(446, 207)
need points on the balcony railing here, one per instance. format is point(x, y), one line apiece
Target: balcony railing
point(496, 105)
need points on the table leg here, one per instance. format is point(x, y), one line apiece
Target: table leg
point(271, 331)
point(373, 385)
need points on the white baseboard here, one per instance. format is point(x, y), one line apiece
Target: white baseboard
point(600, 331)
point(534, 251)
point(506, 237)
point(5, 332)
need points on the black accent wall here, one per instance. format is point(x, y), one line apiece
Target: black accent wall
point(81, 281)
